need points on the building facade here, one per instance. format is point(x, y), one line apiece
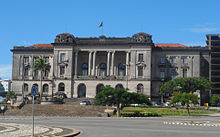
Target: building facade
point(81, 66)
point(5, 85)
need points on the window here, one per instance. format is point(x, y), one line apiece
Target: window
point(119, 86)
point(162, 60)
point(26, 60)
point(140, 57)
point(99, 88)
point(183, 60)
point(46, 73)
point(84, 69)
point(121, 70)
point(162, 75)
point(45, 88)
point(26, 71)
point(140, 88)
point(47, 60)
point(61, 87)
point(184, 73)
point(25, 87)
point(140, 71)
point(173, 60)
point(102, 71)
point(62, 70)
point(36, 73)
point(62, 57)
point(173, 74)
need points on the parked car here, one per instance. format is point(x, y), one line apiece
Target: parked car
point(167, 103)
point(158, 103)
point(85, 102)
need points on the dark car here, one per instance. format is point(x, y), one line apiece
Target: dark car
point(85, 102)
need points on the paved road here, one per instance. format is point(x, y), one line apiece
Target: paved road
point(121, 127)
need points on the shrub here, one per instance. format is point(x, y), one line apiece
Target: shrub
point(214, 100)
point(139, 114)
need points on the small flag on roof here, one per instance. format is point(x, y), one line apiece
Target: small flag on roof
point(101, 24)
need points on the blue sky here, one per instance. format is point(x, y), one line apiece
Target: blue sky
point(28, 22)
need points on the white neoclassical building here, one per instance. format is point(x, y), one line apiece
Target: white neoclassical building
point(81, 66)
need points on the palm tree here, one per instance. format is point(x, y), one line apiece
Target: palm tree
point(41, 65)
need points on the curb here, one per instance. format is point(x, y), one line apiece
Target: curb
point(192, 124)
point(74, 133)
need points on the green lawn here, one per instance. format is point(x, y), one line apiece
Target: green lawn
point(166, 111)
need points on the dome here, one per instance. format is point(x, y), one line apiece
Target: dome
point(142, 37)
point(64, 38)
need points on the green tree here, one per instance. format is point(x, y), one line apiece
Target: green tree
point(187, 85)
point(41, 65)
point(185, 99)
point(214, 100)
point(119, 97)
point(10, 95)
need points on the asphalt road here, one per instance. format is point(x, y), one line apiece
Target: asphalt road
point(127, 127)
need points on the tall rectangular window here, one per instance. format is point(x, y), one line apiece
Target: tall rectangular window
point(46, 73)
point(26, 60)
point(62, 70)
point(36, 73)
point(47, 60)
point(26, 71)
point(184, 73)
point(162, 75)
point(140, 57)
point(183, 60)
point(162, 60)
point(173, 74)
point(140, 71)
point(62, 57)
point(173, 60)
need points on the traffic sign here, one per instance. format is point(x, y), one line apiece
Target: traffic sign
point(34, 90)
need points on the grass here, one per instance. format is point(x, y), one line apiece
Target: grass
point(168, 111)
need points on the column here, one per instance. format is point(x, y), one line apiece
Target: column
point(31, 67)
point(93, 64)
point(22, 67)
point(108, 59)
point(89, 63)
point(112, 63)
point(76, 58)
point(127, 62)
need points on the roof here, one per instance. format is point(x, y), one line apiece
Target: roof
point(169, 45)
point(156, 45)
point(41, 45)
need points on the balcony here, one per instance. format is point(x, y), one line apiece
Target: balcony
point(184, 65)
point(174, 65)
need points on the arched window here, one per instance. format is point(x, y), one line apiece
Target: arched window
point(140, 88)
point(121, 70)
point(119, 86)
point(45, 88)
point(84, 69)
point(98, 88)
point(81, 90)
point(61, 87)
point(102, 69)
point(25, 87)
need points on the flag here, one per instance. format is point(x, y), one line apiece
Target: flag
point(101, 24)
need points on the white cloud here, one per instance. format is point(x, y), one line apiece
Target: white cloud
point(204, 30)
point(5, 71)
